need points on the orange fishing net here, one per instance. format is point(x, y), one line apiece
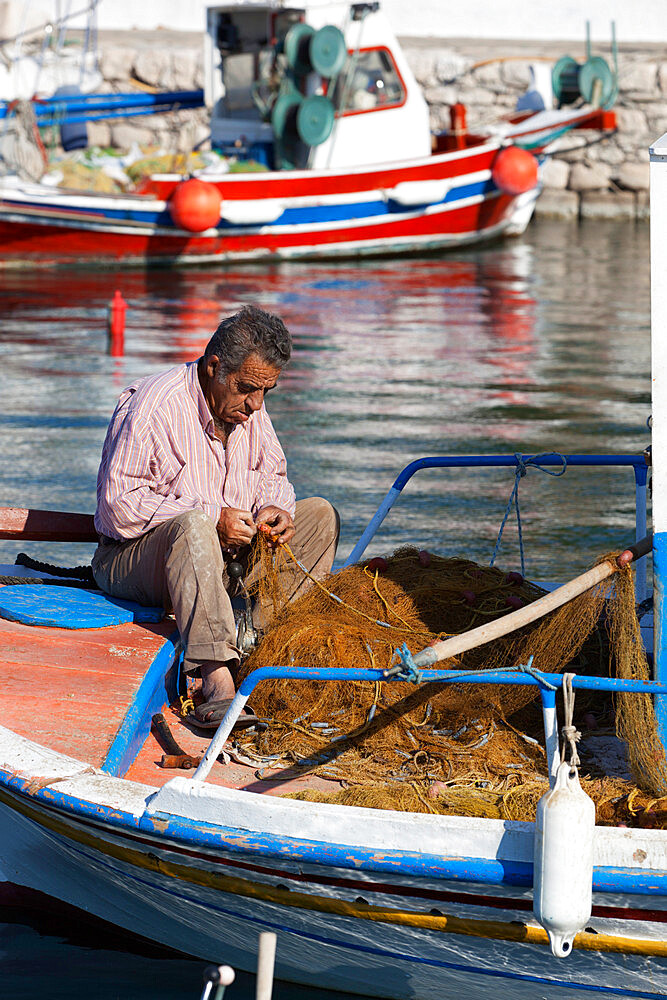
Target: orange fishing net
point(383, 739)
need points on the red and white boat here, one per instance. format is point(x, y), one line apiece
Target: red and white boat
point(322, 97)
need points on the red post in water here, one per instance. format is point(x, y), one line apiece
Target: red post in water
point(117, 325)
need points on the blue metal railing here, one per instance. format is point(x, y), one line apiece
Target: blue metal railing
point(636, 462)
point(95, 107)
point(535, 677)
point(548, 684)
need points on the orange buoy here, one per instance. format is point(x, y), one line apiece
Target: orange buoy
point(195, 205)
point(514, 170)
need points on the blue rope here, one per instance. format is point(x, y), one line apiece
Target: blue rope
point(528, 668)
point(523, 463)
point(407, 669)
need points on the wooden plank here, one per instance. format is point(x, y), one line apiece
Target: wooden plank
point(46, 525)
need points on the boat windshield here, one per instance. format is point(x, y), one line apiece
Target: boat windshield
point(369, 81)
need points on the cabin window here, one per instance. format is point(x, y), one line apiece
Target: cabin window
point(368, 82)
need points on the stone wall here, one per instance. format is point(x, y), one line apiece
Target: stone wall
point(586, 177)
point(157, 60)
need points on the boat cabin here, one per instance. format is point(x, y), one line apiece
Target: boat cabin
point(314, 86)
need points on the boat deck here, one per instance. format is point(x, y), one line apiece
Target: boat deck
point(69, 690)
point(146, 768)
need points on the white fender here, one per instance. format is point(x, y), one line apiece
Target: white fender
point(563, 860)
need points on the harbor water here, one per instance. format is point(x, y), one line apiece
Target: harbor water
point(537, 345)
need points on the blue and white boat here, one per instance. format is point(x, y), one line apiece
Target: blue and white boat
point(375, 903)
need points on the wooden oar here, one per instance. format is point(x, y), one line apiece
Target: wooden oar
point(532, 612)
point(46, 525)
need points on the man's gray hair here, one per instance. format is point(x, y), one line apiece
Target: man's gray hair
point(250, 331)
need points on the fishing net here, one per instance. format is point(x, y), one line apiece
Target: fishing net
point(21, 147)
point(447, 746)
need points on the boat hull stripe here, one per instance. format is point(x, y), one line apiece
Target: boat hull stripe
point(487, 929)
point(489, 871)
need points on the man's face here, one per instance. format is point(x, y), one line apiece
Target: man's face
point(240, 393)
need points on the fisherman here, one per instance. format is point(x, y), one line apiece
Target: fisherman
point(191, 468)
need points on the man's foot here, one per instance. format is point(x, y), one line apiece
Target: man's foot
point(217, 682)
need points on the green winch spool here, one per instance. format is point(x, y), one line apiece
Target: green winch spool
point(283, 114)
point(309, 51)
point(565, 80)
point(297, 48)
point(593, 80)
point(597, 82)
point(299, 121)
point(328, 51)
point(314, 120)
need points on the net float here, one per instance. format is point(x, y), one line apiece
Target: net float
point(425, 558)
point(512, 601)
point(195, 205)
point(469, 596)
point(379, 564)
point(514, 578)
point(514, 170)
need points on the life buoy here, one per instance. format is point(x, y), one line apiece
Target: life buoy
point(514, 170)
point(195, 205)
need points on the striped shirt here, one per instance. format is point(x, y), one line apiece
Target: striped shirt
point(161, 457)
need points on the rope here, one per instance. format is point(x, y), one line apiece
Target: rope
point(528, 668)
point(73, 572)
point(523, 463)
point(339, 600)
point(571, 734)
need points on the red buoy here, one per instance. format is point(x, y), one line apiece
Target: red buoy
point(514, 170)
point(195, 205)
point(117, 325)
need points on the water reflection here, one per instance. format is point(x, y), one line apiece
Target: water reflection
point(537, 345)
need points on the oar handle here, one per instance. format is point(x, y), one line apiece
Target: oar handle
point(636, 551)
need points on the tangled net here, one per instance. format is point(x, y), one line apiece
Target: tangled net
point(443, 747)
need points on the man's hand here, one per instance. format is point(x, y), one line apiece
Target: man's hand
point(235, 527)
point(280, 524)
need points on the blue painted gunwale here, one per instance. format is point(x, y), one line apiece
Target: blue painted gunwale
point(171, 832)
point(157, 687)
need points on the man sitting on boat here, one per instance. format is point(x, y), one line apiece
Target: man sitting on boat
point(191, 467)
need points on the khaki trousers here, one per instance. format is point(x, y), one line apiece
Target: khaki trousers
point(180, 565)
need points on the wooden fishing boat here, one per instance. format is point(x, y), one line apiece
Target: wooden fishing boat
point(372, 902)
point(322, 100)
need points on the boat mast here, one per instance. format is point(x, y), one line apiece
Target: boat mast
point(658, 156)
